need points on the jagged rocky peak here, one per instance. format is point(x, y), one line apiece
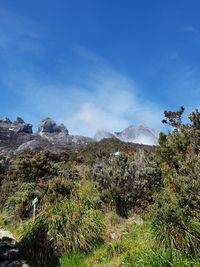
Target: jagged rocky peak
point(101, 134)
point(18, 125)
point(138, 134)
point(48, 125)
point(19, 120)
point(5, 120)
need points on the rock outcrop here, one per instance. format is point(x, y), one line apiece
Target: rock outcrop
point(18, 126)
point(48, 125)
point(17, 136)
point(10, 253)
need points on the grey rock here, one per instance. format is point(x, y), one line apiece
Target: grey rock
point(4, 263)
point(5, 120)
point(18, 125)
point(30, 145)
point(19, 120)
point(14, 264)
point(21, 127)
point(138, 134)
point(11, 242)
point(48, 125)
point(134, 134)
point(11, 254)
point(101, 134)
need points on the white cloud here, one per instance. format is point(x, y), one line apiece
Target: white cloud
point(101, 98)
point(112, 104)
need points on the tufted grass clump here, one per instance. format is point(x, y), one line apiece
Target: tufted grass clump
point(70, 226)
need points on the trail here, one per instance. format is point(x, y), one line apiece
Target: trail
point(10, 255)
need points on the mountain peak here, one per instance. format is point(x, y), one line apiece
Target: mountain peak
point(48, 125)
point(101, 134)
point(133, 133)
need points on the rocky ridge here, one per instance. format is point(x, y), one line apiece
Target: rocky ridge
point(133, 134)
point(18, 135)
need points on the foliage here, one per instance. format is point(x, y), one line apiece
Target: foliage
point(70, 226)
point(176, 219)
point(19, 205)
point(125, 182)
point(30, 166)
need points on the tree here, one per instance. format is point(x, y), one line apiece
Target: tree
point(176, 217)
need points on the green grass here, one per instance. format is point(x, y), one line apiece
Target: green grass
point(138, 249)
point(73, 260)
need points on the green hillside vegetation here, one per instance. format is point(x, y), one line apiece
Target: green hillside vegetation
point(97, 209)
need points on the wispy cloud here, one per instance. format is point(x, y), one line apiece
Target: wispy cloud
point(97, 96)
point(19, 36)
point(103, 99)
point(190, 28)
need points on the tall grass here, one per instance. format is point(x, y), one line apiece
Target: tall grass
point(138, 249)
point(70, 226)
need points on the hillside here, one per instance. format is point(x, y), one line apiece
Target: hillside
point(106, 203)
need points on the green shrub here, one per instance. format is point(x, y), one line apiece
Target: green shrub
point(19, 205)
point(176, 217)
point(126, 182)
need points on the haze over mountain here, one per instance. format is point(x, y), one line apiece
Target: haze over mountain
point(134, 134)
point(18, 135)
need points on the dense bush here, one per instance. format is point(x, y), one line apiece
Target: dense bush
point(19, 205)
point(33, 165)
point(176, 219)
point(125, 181)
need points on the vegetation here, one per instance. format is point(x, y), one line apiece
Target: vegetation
point(97, 208)
point(176, 219)
point(125, 182)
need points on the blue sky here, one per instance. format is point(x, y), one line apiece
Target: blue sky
point(96, 64)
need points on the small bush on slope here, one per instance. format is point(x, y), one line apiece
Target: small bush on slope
point(126, 182)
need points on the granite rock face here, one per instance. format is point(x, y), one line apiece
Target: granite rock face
point(18, 126)
point(17, 136)
point(48, 125)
